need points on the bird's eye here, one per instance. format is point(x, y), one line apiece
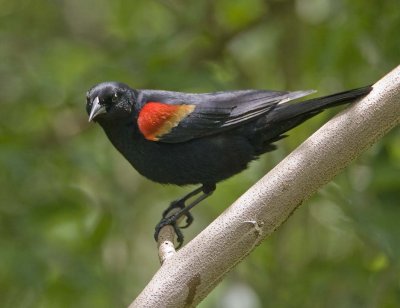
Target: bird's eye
point(114, 98)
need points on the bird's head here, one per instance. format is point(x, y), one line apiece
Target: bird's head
point(109, 100)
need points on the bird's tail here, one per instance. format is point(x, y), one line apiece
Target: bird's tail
point(289, 115)
point(311, 107)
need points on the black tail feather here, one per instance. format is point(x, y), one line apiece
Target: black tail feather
point(289, 115)
point(314, 106)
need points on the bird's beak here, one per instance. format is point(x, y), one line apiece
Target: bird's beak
point(96, 109)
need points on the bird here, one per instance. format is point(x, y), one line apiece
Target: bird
point(199, 138)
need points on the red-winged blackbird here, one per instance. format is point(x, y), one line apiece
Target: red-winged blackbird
point(182, 138)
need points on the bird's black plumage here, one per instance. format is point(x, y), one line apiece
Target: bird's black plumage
point(182, 138)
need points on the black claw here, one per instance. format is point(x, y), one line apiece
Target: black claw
point(157, 232)
point(179, 236)
point(179, 204)
point(189, 220)
point(163, 222)
point(183, 210)
point(169, 221)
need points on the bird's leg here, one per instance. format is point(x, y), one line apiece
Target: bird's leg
point(180, 204)
point(184, 209)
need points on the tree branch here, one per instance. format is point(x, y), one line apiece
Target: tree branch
point(191, 274)
point(166, 243)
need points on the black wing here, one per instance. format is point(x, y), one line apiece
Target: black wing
point(214, 112)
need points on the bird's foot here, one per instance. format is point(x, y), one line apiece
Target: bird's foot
point(171, 215)
point(178, 205)
point(178, 209)
point(170, 220)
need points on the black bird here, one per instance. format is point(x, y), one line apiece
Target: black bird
point(183, 138)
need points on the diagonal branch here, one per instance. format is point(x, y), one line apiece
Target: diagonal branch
point(189, 275)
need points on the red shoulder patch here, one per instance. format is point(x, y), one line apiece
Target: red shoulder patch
point(157, 119)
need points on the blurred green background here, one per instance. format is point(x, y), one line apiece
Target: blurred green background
point(76, 221)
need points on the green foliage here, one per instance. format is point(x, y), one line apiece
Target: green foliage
point(76, 221)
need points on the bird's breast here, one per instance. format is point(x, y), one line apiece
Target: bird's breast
point(203, 160)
